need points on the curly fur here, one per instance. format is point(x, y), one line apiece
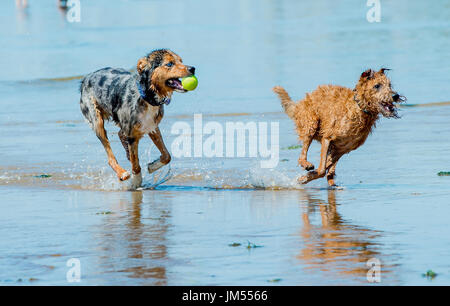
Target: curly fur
point(339, 118)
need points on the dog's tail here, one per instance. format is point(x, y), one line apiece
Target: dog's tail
point(286, 101)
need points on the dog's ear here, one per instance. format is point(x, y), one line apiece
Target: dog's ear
point(142, 63)
point(367, 74)
point(382, 70)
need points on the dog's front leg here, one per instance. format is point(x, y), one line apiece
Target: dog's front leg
point(303, 159)
point(321, 171)
point(165, 155)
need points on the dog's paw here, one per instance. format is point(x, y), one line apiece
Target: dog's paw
point(309, 167)
point(124, 176)
point(311, 175)
point(136, 181)
point(303, 179)
point(155, 165)
point(306, 165)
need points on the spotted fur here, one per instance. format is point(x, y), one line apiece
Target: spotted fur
point(134, 101)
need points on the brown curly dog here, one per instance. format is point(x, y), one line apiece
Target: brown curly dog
point(339, 118)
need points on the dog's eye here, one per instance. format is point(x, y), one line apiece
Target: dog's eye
point(378, 86)
point(169, 64)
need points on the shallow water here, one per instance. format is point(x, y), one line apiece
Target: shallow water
point(392, 206)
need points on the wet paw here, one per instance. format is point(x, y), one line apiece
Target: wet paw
point(124, 176)
point(155, 165)
point(306, 165)
point(309, 167)
point(303, 179)
point(136, 181)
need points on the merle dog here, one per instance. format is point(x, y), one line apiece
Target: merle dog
point(135, 101)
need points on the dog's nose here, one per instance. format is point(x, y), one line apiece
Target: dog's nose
point(396, 97)
point(191, 69)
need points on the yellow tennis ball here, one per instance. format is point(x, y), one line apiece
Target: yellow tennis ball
point(189, 83)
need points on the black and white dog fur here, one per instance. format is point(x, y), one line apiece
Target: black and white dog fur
point(135, 102)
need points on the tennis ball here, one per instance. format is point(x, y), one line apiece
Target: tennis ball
point(189, 83)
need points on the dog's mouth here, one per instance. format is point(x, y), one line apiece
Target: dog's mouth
point(388, 109)
point(175, 83)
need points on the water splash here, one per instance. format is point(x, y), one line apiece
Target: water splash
point(191, 173)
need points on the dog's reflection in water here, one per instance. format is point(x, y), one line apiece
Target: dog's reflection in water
point(336, 245)
point(133, 240)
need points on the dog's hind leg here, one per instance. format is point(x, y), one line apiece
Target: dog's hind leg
point(165, 155)
point(131, 148)
point(134, 159)
point(99, 128)
point(333, 158)
point(302, 161)
point(321, 171)
point(330, 176)
point(124, 141)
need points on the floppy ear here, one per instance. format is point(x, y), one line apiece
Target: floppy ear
point(382, 70)
point(142, 63)
point(367, 74)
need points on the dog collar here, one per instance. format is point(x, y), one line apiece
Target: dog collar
point(357, 102)
point(150, 100)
